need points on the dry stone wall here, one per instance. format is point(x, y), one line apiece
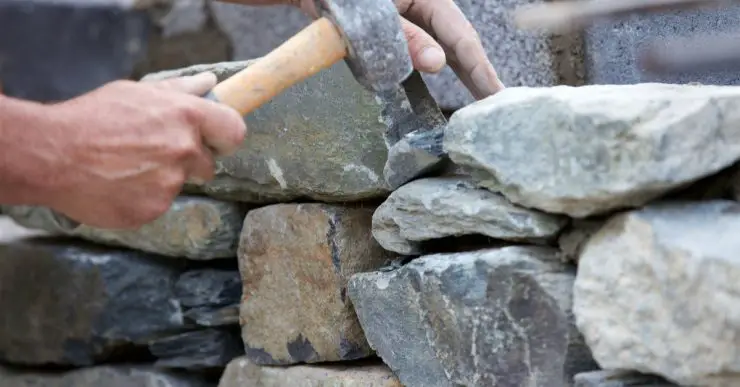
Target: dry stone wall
point(578, 236)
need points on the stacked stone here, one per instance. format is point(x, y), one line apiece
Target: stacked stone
point(638, 185)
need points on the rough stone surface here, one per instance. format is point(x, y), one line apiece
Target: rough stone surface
point(612, 49)
point(441, 207)
point(618, 379)
point(203, 349)
point(295, 261)
point(521, 58)
point(210, 297)
point(485, 318)
point(594, 149)
point(73, 303)
point(194, 227)
point(243, 373)
point(109, 376)
point(656, 290)
point(321, 139)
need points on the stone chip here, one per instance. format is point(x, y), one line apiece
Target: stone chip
point(109, 376)
point(657, 288)
point(494, 317)
point(441, 207)
point(595, 149)
point(295, 261)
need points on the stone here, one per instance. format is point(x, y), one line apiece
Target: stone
point(295, 261)
point(243, 373)
point(109, 302)
point(592, 150)
point(11, 231)
point(574, 238)
point(197, 350)
point(618, 379)
point(656, 290)
point(322, 139)
point(210, 297)
point(109, 376)
point(613, 48)
point(76, 46)
point(492, 317)
point(194, 227)
point(440, 207)
point(521, 58)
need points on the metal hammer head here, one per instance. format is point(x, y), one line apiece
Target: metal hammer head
point(378, 54)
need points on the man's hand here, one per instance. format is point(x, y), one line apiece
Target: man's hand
point(457, 44)
point(126, 149)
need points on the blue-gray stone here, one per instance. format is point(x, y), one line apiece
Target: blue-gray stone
point(493, 317)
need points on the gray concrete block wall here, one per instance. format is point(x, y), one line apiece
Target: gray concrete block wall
point(612, 49)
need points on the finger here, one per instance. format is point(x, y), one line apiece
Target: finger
point(426, 54)
point(222, 128)
point(198, 84)
point(201, 169)
point(465, 53)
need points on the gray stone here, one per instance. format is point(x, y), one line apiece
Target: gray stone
point(441, 207)
point(194, 227)
point(109, 376)
point(110, 303)
point(594, 149)
point(203, 349)
point(243, 373)
point(521, 58)
point(484, 318)
point(613, 49)
point(618, 379)
point(76, 46)
point(210, 297)
point(321, 139)
point(656, 291)
point(295, 261)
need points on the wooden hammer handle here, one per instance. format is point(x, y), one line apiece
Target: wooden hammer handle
point(315, 48)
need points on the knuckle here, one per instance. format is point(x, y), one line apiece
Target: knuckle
point(190, 113)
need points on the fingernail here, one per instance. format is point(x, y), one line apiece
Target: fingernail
point(486, 82)
point(432, 59)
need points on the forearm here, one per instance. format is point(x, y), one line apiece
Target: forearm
point(28, 169)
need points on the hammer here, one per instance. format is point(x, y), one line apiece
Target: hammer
point(366, 33)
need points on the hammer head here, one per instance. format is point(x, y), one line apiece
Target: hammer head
point(378, 53)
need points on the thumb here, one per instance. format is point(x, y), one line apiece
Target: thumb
point(193, 84)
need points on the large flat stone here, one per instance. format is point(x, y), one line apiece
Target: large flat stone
point(656, 290)
point(243, 373)
point(109, 376)
point(485, 318)
point(435, 208)
point(295, 261)
point(322, 139)
point(194, 227)
point(71, 303)
point(593, 149)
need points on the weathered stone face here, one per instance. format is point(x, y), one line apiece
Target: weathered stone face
point(202, 349)
point(71, 303)
point(572, 240)
point(194, 227)
point(656, 292)
point(295, 261)
point(321, 139)
point(109, 376)
point(441, 207)
point(485, 318)
point(243, 373)
point(595, 149)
